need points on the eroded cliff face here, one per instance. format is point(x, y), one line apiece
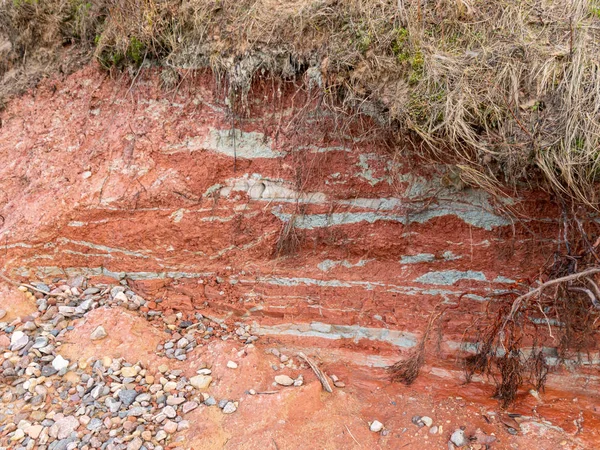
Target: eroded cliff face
point(300, 222)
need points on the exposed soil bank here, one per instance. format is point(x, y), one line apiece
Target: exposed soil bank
point(292, 220)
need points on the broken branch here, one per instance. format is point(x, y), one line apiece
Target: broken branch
point(320, 375)
point(519, 300)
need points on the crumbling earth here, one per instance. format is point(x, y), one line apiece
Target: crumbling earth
point(91, 364)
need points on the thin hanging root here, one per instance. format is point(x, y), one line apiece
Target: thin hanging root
point(320, 375)
point(407, 371)
point(589, 294)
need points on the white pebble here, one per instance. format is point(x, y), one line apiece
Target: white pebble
point(60, 363)
point(232, 365)
point(376, 426)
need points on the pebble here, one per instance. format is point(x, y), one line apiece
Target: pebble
point(98, 333)
point(18, 340)
point(135, 444)
point(161, 435)
point(284, 380)
point(40, 342)
point(60, 363)
point(91, 291)
point(376, 426)
point(229, 408)
point(4, 342)
point(170, 386)
point(170, 412)
point(145, 397)
point(174, 401)
point(18, 435)
point(201, 381)
point(170, 426)
point(428, 421)
point(458, 438)
point(129, 371)
point(127, 396)
point(48, 371)
point(2, 313)
point(120, 296)
point(189, 406)
point(34, 431)
point(232, 365)
point(63, 427)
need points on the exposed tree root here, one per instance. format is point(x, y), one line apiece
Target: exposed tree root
point(407, 371)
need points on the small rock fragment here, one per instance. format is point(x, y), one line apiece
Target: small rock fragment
point(98, 333)
point(18, 340)
point(232, 365)
point(127, 396)
point(34, 431)
point(428, 421)
point(170, 426)
point(284, 380)
point(170, 412)
point(458, 438)
point(60, 363)
point(201, 381)
point(161, 435)
point(135, 444)
point(129, 371)
point(188, 406)
point(376, 426)
point(229, 408)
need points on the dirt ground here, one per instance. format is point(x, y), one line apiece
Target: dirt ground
point(307, 417)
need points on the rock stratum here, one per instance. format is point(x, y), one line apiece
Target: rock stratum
point(298, 222)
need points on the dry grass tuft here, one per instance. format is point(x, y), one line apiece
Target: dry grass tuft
point(289, 240)
point(406, 371)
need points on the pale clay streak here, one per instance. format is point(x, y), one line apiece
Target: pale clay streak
point(105, 248)
point(229, 142)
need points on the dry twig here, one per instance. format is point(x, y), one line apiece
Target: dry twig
point(318, 372)
point(28, 286)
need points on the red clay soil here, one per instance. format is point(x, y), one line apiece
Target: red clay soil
point(308, 417)
point(116, 180)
